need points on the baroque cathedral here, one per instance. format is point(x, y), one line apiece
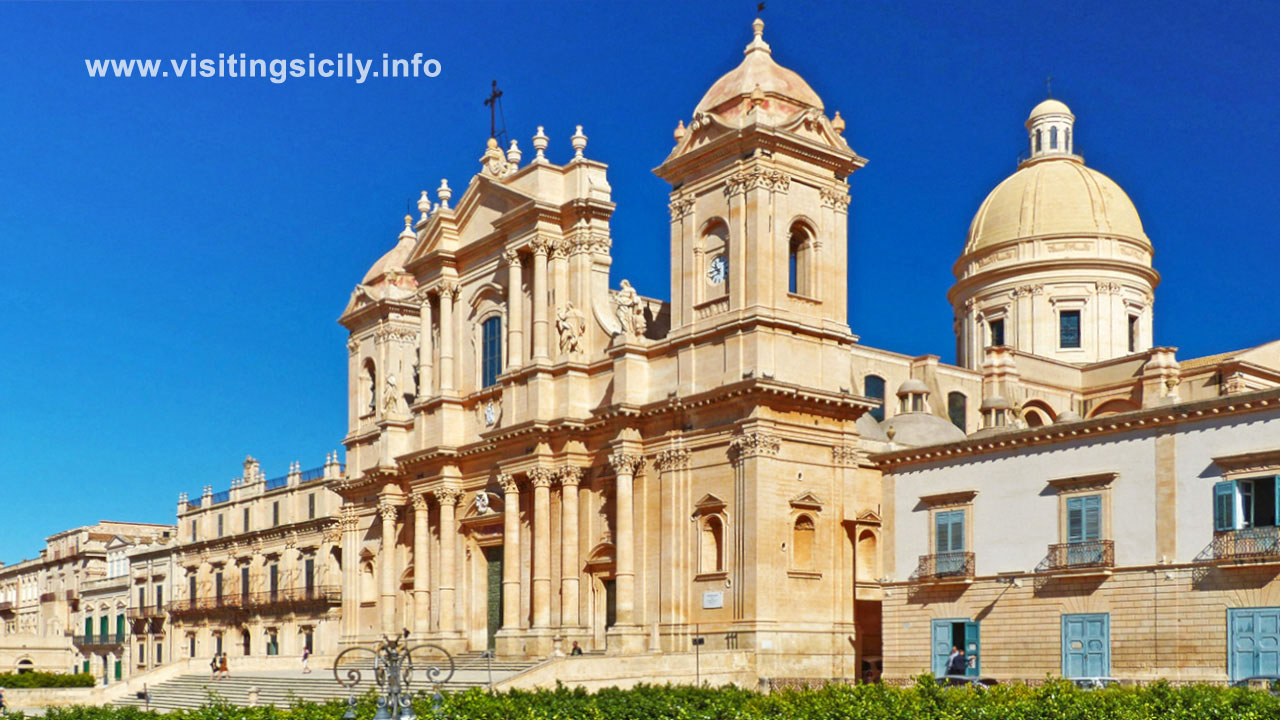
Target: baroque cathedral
point(539, 458)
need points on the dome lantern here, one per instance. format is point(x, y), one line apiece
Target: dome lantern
point(1049, 129)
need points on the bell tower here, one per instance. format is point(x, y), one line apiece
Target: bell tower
point(759, 203)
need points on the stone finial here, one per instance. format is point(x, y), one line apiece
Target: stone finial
point(514, 155)
point(837, 123)
point(408, 227)
point(579, 142)
point(540, 142)
point(424, 205)
point(679, 133)
point(757, 97)
point(445, 193)
point(757, 43)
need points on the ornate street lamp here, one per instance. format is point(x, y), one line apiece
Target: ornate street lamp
point(393, 668)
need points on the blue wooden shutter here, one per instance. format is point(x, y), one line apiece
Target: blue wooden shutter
point(1224, 506)
point(941, 640)
point(949, 532)
point(1075, 519)
point(1092, 517)
point(972, 649)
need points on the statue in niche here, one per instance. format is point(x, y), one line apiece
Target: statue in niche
point(570, 323)
point(390, 395)
point(630, 310)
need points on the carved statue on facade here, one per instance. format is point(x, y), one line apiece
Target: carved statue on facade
point(390, 395)
point(629, 308)
point(570, 323)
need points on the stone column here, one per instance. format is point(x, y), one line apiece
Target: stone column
point(510, 552)
point(515, 310)
point(540, 250)
point(448, 500)
point(421, 610)
point(569, 478)
point(387, 565)
point(625, 466)
point(425, 351)
point(350, 569)
point(540, 478)
point(447, 292)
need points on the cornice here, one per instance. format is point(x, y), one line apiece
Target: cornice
point(1153, 418)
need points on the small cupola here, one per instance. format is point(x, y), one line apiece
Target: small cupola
point(995, 412)
point(1049, 129)
point(913, 396)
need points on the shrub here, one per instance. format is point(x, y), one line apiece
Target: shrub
point(45, 680)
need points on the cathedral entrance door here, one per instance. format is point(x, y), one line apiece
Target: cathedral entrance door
point(493, 574)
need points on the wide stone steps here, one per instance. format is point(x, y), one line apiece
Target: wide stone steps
point(282, 688)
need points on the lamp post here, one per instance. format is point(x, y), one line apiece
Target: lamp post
point(393, 673)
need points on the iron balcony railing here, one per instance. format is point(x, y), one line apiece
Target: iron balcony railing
point(955, 565)
point(220, 497)
point(263, 601)
point(145, 612)
point(98, 640)
point(277, 483)
point(313, 474)
point(1089, 554)
point(1245, 544)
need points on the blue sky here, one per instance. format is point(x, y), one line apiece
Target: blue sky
point(177, 251)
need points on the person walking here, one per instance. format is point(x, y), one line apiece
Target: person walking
point(2, 708)
point(957, 664)
point(213, 667)
point(306, 660)
point(222, 668)
point(577, 650)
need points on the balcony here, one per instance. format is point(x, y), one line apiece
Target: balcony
point(1081, 557)
point(1257, 545)
point(267, 601)
point(48, 597)
point(6, 608)
point(146, 612)
point(110, 642)
point(946, 568)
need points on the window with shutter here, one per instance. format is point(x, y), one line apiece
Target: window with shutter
point(1224, 505)
point(1084, 518)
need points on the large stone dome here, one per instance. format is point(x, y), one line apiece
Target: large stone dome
point(1054, 195)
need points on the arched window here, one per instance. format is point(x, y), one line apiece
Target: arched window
point(873, 387)
point(491, 342)
point(1053, 138)
point(957, 409)
point(712, 545)
point(800, 265)
point(802, 543)
point(1066, 142)
point(1038, 140)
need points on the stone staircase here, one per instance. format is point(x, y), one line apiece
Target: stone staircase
point(284, 687)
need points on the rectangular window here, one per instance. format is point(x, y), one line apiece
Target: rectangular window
point(159, 653)
point(1084, 518)
point(159, 597)
point(191, 588)
point(142, 597)
point(309, 576)
point(995, 331)
point(142, 653)
point(193, 530)
point(1133, 333)
point(275, 513)
point(311, 506)
point(244, 582)
point(191, 645)
point(948, 543)
point(246, 520)
point(219, 525)
point(273, 643)
point(491, 331)
point(217, 588)
point(273, 574)
point(1247, 503)
point(1069, 329)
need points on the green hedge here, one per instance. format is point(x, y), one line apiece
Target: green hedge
point(1055, 700)
point(45, 680)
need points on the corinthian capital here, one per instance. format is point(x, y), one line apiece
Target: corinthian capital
point(512, 257)
point(508, 483)
point(626, 463)
point(447, 495)
point(671, 459)
point(540, 477)
point(387, 508)
point(569, 476)
point(419, 501)
point(755, 444)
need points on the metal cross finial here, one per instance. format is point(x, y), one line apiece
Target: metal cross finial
point(1048, 87)
point(492, 103)
point(759, 8)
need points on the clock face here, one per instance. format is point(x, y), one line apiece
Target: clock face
point(719, 270)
